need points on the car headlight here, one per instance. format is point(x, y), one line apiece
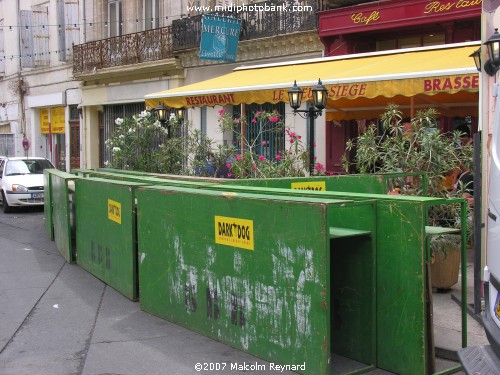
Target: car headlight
point(20, 188)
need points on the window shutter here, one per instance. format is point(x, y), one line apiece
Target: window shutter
point(72, 25)
point(27, 53)
point(2, 51)
point(40, 33)
point(61, 31)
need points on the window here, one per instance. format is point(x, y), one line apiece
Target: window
point(115, 26)
point(2, 51)
point(150, 14)
point(409, 42)
point(68, 27)
point(269, 143)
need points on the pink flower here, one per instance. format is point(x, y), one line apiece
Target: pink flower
point(228, 165)
point(254, 121)
point(238, 157)
point(291, 140)
point(278, 157)
point(254, 167)
point(236, 120)
point(257, 113)
point(229, 175)
point(262, 158)
point(293, 135)
point(273, 119)
point(299, 137)
point(264, 142)
point(222, 112)
point(319, 167)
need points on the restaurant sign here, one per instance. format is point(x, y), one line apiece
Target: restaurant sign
point(393, 14)
point(370, 89)
point(219, 38)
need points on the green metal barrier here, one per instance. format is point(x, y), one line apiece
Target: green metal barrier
point(47, 203)
point(404, 330)
point(286, 279)
point(106, 239)
point(376, 183)
point(63, 212)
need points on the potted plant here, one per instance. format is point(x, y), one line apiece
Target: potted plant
point(417, 145)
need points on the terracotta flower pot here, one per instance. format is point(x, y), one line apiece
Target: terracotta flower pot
point(445, 267)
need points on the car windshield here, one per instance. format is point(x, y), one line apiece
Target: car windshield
point(26, 166)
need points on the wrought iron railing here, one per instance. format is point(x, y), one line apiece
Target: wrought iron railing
point(259, 20)
point(150, 45)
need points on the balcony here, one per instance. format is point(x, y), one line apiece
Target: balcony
point(259, 20)
point(150, 45)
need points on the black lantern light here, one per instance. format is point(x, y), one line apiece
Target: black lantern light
point(320, 95)
point(161, 113)
point(476, 55)
point(179, 113)
point(493, 44)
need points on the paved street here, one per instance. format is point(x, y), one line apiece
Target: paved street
point(57, 319)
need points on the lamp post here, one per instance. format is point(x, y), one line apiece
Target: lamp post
point(319, 94)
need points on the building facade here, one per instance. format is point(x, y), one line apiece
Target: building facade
point(397, 24)
point(39, 98)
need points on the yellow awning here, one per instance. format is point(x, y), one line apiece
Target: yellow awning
point(433, 75)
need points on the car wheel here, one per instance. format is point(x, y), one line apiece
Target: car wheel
point(6, 207)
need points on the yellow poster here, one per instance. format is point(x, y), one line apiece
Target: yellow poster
point(44, 121)
point(57, 116)
point(52, 122)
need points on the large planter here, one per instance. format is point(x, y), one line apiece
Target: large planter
point(445, 266)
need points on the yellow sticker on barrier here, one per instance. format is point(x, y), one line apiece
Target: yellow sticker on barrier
point(310, 185)
point(114, 211)
point(234, 232)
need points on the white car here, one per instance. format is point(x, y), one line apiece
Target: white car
point(21, 181)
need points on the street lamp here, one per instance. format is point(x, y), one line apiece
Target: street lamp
point(179, 113)
point(493, 44)
point(161, 112)
point(476, 55)
point(319, 94)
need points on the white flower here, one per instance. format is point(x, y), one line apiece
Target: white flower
point(116, 149)
point(106, 163)
point(121, 136)
point(130, 130)
point(118, 121)
point(144, 114)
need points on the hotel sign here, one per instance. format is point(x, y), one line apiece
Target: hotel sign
point(219, 38)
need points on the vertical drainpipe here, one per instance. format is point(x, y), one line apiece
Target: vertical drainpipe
point(83, 131)
point(21, 115)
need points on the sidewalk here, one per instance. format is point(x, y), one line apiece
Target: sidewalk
point(448, 316)
point(58, 319)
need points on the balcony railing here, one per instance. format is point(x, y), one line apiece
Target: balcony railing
point(259, 20)
point(150, 45)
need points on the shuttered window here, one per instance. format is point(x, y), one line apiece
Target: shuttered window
point(2, 51)
point(27, 52)
point(68, 27)
point(40, 20)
